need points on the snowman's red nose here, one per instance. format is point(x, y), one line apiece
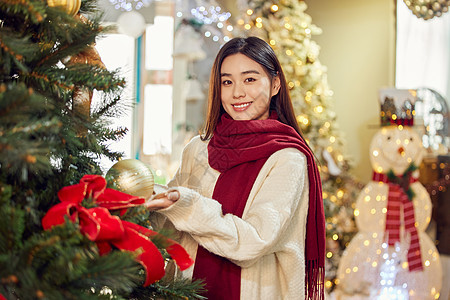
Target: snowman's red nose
point(401, 150)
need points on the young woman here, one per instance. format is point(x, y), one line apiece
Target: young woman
point(247, 198)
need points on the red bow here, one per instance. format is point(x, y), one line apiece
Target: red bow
point(397, 199)
point(105, 229)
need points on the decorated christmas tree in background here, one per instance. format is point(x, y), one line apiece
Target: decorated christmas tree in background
point(50, 138)
point(288, 29)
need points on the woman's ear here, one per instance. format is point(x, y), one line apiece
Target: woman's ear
point(276, 84)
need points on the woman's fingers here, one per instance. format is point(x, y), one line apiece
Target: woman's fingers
point(158, 203)
point(163, 201)
point(173, 196)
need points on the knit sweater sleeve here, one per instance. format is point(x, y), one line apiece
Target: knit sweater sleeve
point(272, 205)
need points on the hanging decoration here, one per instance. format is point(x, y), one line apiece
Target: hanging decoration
point(428, 9)
point(133, 177)
point(188, 43)
point(70, 6)
point(131, 23)
point(193, 89)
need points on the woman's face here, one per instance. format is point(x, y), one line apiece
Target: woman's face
point(246, 89)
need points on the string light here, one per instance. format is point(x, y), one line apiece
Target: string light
point(210, 16)
point(318, 109)
point(441, 184)
point(126, 5)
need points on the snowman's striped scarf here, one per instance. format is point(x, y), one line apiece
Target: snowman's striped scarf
point(398, 199)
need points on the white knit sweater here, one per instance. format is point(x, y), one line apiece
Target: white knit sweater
point(267, 242)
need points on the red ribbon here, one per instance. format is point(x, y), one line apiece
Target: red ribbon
point(105, 229)
point(397, 198)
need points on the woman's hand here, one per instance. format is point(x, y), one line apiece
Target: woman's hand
point(163, 201)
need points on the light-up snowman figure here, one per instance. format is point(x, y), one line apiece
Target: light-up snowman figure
point(398, 261)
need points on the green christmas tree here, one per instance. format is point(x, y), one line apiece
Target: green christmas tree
point(289, 30)
point(50, 137)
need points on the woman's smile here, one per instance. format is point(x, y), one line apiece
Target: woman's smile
point(241, 106)
point(246, 89)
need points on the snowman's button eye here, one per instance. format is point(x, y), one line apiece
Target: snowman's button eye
point(388, 138)
point(411, 139)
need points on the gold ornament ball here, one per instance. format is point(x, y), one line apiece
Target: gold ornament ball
point(70, 6)
point(133, 177)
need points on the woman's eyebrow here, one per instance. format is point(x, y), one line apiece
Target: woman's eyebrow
point(242, 73)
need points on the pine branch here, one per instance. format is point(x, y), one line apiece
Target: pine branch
point(15, 57)
point(12, 226)
point(181, 289)
point(110, 106)
point(118, 270)
point(88, 76)
point(46, 144)
point(74, 36)
point(44, 81)
point(138, 215)
point(175, 290)
point(89, 6)
point(33, 10)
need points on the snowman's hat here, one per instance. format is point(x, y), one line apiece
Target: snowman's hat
point(397, 106)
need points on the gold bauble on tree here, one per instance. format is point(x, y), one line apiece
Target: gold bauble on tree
point(133, 177)
point(70, 6)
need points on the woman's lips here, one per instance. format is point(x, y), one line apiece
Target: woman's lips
point(241, 106)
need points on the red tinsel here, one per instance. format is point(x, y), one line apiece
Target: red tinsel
point(106, 230)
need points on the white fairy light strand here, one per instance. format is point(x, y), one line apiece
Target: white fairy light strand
point(127, 5)
point(211, 15)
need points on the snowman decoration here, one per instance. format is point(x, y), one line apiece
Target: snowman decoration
point(391, 257)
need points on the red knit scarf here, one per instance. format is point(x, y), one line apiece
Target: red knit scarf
point(239, 149)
